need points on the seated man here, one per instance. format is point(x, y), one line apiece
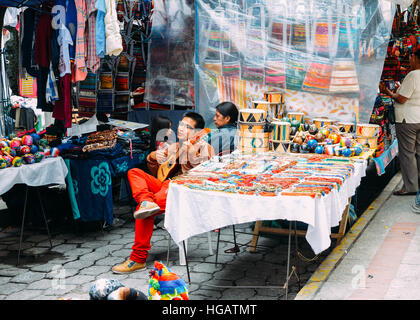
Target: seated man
point(150, 193)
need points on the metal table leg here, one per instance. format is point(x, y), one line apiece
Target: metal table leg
point(23, 220)
point(23, 224)
point(45, 217)
point(297, 257)
point(288, 259)
point(186, 262)
point(217, 246)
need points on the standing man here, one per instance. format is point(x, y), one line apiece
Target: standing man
point(407, 118)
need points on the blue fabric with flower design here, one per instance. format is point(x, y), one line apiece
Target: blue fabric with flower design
point(91, 182)
point(94, 189)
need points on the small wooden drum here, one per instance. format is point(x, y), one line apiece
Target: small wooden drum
point(296, 115)
point(281, 131)
point(367, 130)
point(321, 122)
point(251, 115)
point(370, 142)
point(276, 110)
point(274, 96)
point(262, 105)
point(251, 127)
point(253, 142)
point(347, 127)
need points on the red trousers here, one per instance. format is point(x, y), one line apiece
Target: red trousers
point(145, 188)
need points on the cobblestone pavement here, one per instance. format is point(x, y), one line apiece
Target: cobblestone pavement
point(67, 270)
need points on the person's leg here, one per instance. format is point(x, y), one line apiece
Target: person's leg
point(143, 185)
point(407, 136)
point(144, 227)
point(142, 236)
point(161, 195)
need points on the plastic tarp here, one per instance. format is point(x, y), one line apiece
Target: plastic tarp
point(325, 55)
point(170, 65)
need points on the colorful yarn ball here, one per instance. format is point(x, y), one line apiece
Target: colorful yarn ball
point(312, 144)
point(4, 143)
point(39, 156)
point(335, 138)
point(358, 144)
point(47, 152)
point(35, 137)
point(25, 149)
point(29, 158)
point(27, 140)
point(345, 142)
point(8, 159)
point(17, 161)
point(8, 150)
point(3, 163)
point(12, 153)
point(319, 150)
point(358, 150)
point(15, 144)
point(346, 152)
point(329, 149)
point(34, 149)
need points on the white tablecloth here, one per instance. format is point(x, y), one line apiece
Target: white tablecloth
point(48, 171)
point(191, 212)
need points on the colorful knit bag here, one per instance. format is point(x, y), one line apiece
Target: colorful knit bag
point(166, 285)
point(318, 76)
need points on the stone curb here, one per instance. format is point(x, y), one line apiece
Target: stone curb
point(320, 276)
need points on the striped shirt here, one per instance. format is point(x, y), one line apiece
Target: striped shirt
point(80, 71)
point(92, 60)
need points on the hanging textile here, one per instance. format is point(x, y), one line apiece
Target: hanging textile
point(112, 30)
point(27, 86)
point(92, 58)
point(80, 71)
point(87, 96)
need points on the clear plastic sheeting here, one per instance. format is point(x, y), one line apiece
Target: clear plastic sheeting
point(170, 66)
point(325, 55)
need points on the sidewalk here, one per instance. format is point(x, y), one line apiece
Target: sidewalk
point(76, 260)
point(378, 259)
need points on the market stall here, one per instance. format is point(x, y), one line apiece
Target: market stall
point(21, 162)
point(93, 161)
point(304, 77)
point(241, 188)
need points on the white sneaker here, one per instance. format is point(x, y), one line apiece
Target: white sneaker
point(415, 207)
point(146, 209)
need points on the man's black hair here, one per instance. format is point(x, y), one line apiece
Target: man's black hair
point(199, 120)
